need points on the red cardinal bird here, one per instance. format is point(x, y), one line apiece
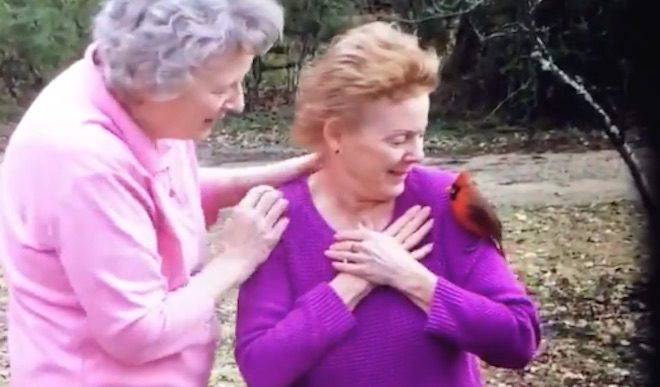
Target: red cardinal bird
point(473, 212)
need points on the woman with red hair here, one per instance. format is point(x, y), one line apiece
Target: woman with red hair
point(339, 303)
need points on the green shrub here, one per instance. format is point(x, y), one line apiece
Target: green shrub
point(38, 38)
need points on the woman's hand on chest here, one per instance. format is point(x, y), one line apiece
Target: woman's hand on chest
point(385, 257)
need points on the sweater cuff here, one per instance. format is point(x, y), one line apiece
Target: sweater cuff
point(447, 298)
point(329, 310)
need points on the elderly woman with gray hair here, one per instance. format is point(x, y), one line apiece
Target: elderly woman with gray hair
point(104, 210)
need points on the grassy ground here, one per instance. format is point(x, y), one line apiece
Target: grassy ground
point(581, 262)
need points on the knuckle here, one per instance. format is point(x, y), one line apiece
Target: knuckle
point(248, 213)
point(269, 194)
point(259, 190)
point(279, 206)
point(240, 216)
point(262, 187)
point(260, 222)
point(270, 240)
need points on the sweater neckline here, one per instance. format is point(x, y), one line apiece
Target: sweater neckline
point(315, 215)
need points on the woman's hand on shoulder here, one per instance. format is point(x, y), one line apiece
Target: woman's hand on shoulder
point(252, 229)
point(285, 170)
point(308, 163)
point(382, 257)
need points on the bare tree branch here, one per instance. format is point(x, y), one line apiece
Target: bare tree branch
point(438, 15)
point(524, 86)
point(541, 55)
point(533, 6)
point(544, 58)
point(506, 31)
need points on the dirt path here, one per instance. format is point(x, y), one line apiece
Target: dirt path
point(509, 179)
point(550, 178)
point(516, 179)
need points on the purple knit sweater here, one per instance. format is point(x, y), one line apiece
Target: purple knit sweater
point(293, 330)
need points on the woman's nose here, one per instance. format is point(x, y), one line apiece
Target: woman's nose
point(416, 153)
point(236, 102)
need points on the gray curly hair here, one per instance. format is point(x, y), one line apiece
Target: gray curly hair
point(156, 45)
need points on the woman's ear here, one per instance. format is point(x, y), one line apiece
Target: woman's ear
point(332, 134)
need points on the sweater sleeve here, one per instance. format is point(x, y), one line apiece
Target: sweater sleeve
point(489, 314)
point(478, 304)
point(278, 336)
point(109, 251)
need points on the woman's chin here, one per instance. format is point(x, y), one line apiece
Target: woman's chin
point(398, 189)
point(391, 191)
point(397, 184)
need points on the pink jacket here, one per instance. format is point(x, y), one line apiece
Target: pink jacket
point(99, 232)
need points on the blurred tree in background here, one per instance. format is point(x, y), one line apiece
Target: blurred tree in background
point(489, 73)
point(38, 38)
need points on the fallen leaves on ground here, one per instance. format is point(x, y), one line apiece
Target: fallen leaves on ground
point(582, 264)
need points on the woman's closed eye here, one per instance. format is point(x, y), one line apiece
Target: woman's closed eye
point(402, 138)
point(220, 91)
point(226, 89)
point(399, 139)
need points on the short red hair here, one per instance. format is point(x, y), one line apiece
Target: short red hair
point(372, 61)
